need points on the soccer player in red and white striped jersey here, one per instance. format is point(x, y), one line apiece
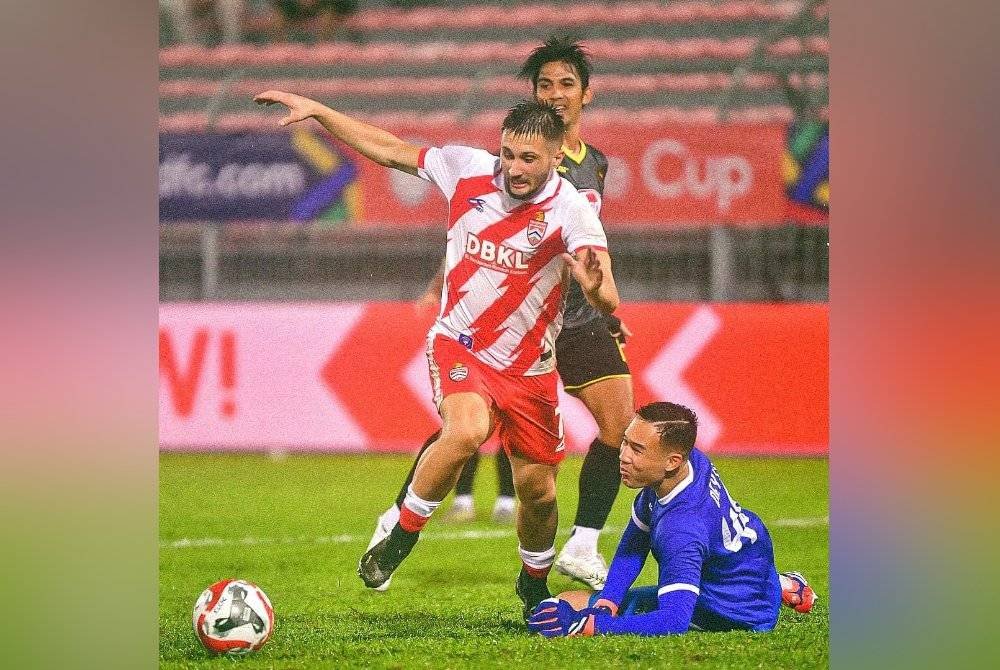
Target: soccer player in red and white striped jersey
point(516, 229)
point(503, 268)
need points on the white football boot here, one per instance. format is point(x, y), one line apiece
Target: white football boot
point(590, 569)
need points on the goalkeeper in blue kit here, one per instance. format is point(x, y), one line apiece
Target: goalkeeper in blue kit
point(715, 558)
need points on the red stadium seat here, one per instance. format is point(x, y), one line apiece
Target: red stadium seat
point(557, 15)
point(504, 84)
point(377, 53)
point(198, 121)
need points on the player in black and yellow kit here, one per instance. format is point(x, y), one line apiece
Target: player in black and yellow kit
point(589, 354)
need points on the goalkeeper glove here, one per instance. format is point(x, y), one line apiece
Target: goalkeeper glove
point(557, 618)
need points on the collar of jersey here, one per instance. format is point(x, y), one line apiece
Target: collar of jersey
point(576, 157)
point(680, 487)
point(546, 192)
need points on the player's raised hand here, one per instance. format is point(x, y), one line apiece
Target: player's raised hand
point(299, 107)
point(586, 269)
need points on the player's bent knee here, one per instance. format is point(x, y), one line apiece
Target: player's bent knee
point(538, 498)
point(612, 436)
point(464, 437)
point(611, 404)
point(466, 421)
point(611, 427)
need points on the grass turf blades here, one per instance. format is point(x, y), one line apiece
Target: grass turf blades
point(297, 525)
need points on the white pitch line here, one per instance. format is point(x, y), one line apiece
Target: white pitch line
point(807, 522)
point(485, 534)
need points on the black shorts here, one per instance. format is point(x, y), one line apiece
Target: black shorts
point(588, 354)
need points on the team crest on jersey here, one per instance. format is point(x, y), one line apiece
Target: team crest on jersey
point(536, 228)
point(458, 373)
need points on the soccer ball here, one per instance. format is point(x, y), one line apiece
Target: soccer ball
point(233, 617)
point(796, 592)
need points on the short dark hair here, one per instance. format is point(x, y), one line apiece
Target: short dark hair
point(534, 118)
point(676, 424)
point(557, 48)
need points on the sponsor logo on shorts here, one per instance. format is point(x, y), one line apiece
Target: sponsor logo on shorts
point(458, 373)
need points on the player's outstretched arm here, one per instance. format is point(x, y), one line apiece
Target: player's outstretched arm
point(373, 143)
point(627, 564)
point(592, 269)
point(681, 559)
point(672, 617)
point(557, 618)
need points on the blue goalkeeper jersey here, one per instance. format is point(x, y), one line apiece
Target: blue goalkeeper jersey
point(708, 545)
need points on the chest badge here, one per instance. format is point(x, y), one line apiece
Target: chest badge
point(536, 228)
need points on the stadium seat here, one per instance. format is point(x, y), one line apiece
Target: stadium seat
point(558, 15)
point(500, 52)
point(193, 121)
point(654, 61)
point(449, 86)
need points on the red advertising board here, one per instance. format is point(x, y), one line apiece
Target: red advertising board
point(353, 376)
point(658, 175)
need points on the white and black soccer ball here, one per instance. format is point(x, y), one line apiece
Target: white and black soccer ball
point(233, 617)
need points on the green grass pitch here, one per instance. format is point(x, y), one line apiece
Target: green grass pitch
point(296, 526)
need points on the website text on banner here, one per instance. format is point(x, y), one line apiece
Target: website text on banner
point(275, 176)
point(658, 175)
point(353, 376)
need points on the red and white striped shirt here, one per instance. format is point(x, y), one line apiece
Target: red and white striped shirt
point(503, 291)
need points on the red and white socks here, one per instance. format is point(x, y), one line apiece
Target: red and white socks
point(537, 563)
point(415, 512)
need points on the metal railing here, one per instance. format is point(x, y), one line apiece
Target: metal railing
point(708, 263)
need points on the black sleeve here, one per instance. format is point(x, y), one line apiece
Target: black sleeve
point(602, 168)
